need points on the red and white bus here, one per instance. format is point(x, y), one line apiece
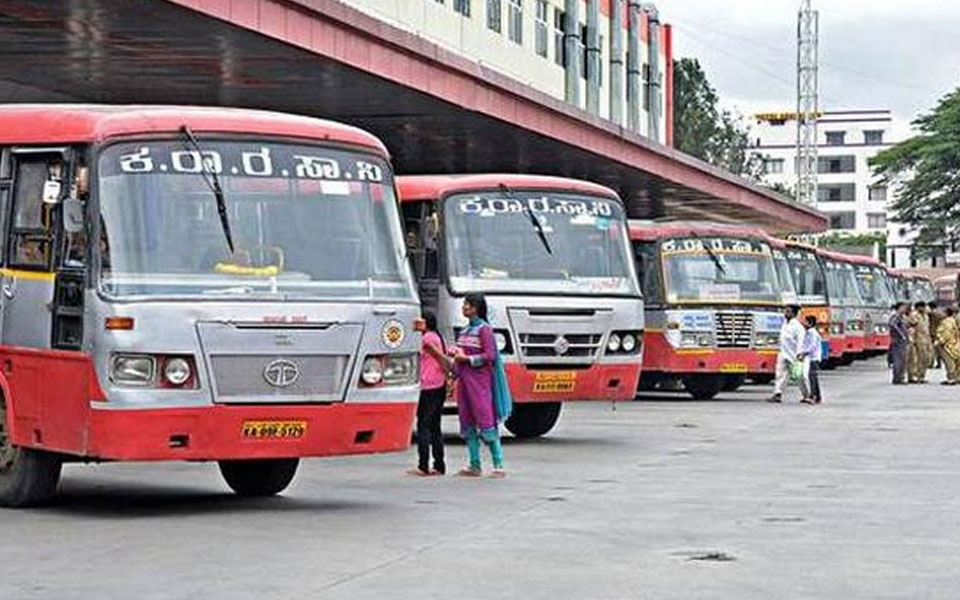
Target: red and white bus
point(198, 284)
point(847, 307)
point(875, 290)
point(713, 304)
point(552, 257)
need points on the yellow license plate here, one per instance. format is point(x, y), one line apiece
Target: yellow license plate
point(733, 368)
point(273, 430)
point(554, 382)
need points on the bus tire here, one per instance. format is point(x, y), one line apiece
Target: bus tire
point(704, 387)
point(532, 420)
point(733, 382)
point(27, 477)
point(261, 477)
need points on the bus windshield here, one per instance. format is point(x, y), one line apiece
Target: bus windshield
point(306, 222)
point(719, 270)
point(873, 288)
point(808, 277)
point(844, 289)
point(537, 242)
point(784, 277)
point(921, 290)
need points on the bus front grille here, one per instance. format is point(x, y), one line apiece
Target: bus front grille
point(571, 345)
point(734, 330)
point(278, 378)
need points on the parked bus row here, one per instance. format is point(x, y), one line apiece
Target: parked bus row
point(245, 287)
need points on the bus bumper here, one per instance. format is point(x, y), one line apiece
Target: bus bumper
point(879, 342)
point(610, 382)
point(854, 344)
point(660, 356)
point(242, 432)
point(837, 345)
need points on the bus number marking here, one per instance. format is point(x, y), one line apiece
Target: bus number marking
point(273, 430)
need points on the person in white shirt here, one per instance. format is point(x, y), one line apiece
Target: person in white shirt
point(812, 355)
point(791, 345)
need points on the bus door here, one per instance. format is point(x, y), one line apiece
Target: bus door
point(38, 180)
point(422, 230)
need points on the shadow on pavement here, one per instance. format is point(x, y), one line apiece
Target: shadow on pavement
point(123, 500)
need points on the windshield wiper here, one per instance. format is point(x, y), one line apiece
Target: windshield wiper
point(713, 255)
point(534, 221)
point(213, 181)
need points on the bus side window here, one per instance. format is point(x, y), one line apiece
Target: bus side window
point(649, 267)
point(31, 232)
point(431, 239)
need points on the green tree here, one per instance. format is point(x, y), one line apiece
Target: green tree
point(924, 172)
point(703, 130)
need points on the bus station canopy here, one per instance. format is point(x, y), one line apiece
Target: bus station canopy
point(437, 111)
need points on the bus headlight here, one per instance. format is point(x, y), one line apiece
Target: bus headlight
point(613, 343)
point(501, 340)
point(372, 372)
point(766, 339)
point(390, 369)
point(177, 371)
point(400, 369)
point(133, 369)
point(628, 343)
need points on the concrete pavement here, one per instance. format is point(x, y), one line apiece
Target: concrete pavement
point(658, 499)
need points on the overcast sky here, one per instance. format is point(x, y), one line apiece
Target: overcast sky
point(873, 53)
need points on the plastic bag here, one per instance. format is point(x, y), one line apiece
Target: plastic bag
point(796, 371)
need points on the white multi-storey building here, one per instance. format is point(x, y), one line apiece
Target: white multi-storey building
point(848, 191)
point(612, 58)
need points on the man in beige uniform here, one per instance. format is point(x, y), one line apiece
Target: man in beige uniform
point(920, 344)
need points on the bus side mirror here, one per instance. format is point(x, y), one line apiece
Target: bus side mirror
point(72, 215)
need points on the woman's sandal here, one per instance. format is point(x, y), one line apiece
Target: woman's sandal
point(418, 472)
point(468, 472)
point(498, 474)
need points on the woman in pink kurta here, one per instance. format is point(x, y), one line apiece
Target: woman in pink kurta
point(475, 358)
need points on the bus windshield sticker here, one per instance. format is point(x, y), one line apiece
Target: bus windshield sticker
point(276, 160)
point(724, 245)
point(720, 291)
point(489, 206)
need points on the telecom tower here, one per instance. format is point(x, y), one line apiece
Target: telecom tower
point(808, 102)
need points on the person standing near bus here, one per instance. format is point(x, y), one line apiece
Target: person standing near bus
point(791, 346)
point(935, 316)
point(920, 344)
point(434, 366)
point(483, 400)
point(899, 341)
point(948, 344)
point(812, 355)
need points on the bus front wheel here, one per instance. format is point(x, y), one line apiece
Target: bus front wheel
point(533, 419)
point(27, 477)
point(704, 387)
point(259, 477)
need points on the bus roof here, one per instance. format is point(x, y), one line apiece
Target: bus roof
point(84, 123)
point(649, 232)
point(419, 188)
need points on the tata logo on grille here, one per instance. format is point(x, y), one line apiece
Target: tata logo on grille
point(561, 346)
point(281, 373)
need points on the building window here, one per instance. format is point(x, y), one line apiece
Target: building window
point(540, 28)
point(877, 220)
point(462, 7)
point(843, 220)
point(494, 15)
point(559, 48)
point(835, 138)
point(878, 193)
point(645, 75)
point(515, 21)
point(772, 166)
point(836, 192)
point(873, 138)
point(837, 164)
